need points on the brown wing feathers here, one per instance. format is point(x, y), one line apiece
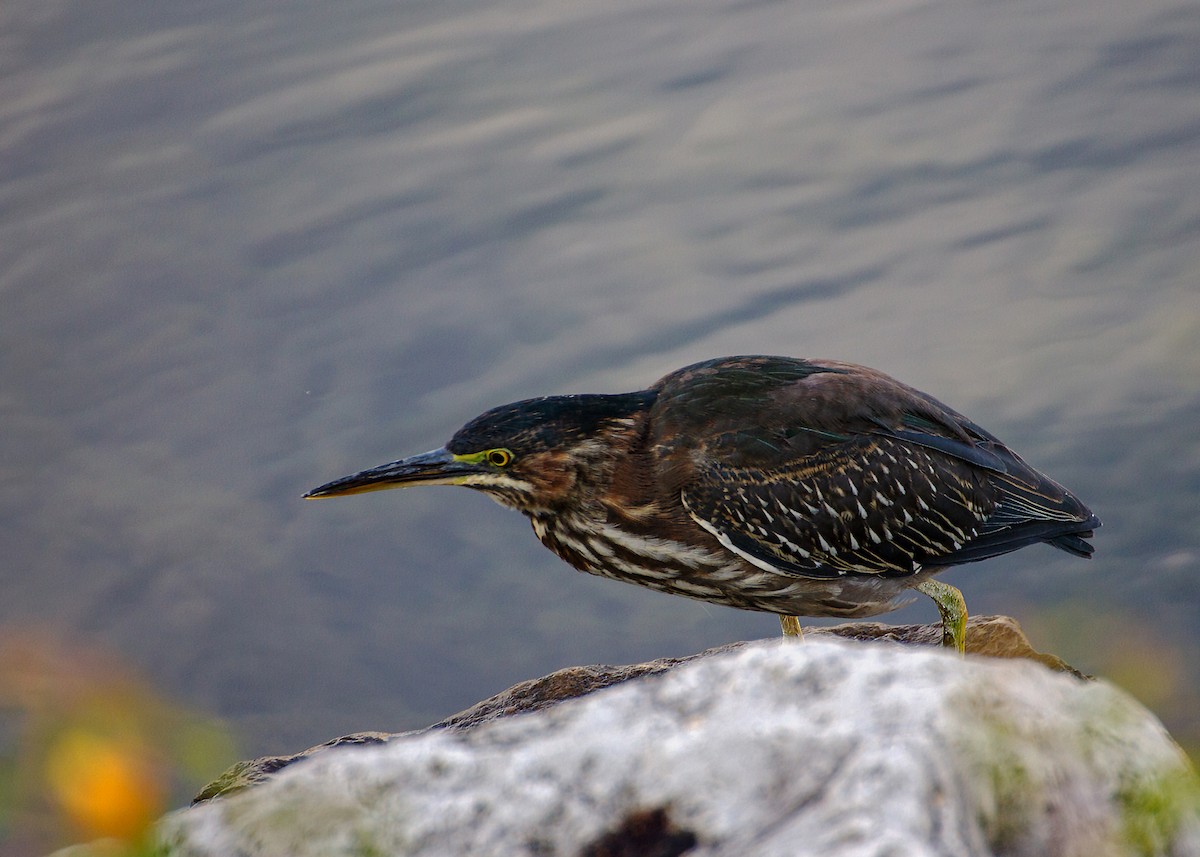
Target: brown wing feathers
point(848, 471)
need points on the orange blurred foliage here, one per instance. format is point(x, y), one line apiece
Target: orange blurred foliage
point(107, 787)
point(91, 752)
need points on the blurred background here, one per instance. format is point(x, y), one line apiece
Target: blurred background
point(248, 248)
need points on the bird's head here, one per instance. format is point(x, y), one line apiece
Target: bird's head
point(534, 455)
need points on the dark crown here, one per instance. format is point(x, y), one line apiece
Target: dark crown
point(546, 423)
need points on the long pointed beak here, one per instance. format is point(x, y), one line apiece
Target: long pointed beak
point(438, 467)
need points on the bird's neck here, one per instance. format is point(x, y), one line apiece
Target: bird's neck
point(605, 470)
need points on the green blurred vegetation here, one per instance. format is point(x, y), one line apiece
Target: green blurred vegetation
point(89, 753)
point(1139, 654)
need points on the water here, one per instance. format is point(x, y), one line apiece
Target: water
point(247, 248)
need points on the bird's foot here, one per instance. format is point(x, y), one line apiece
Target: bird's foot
point(791, 627)
point(953, 607)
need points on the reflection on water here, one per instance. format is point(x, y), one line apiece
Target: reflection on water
point(244, 252)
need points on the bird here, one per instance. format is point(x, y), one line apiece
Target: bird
point(799, 487)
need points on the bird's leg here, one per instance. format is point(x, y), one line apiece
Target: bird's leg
point(953, 607)
point(791, 626)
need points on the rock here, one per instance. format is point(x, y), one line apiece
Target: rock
point(245, 774)
point(828, 747)
point(990, 636)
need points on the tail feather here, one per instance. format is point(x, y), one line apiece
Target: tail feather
point(1011, 538)
point(1030, 510)
point(1074, 543)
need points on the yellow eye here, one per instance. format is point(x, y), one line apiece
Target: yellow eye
point(499, 457)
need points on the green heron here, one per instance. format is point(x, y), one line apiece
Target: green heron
point(794, 487)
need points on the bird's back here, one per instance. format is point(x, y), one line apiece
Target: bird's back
point(824, 469)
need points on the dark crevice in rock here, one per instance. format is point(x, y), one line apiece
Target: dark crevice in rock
point(644, 833)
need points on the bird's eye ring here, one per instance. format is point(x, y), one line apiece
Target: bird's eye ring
point(499, 457)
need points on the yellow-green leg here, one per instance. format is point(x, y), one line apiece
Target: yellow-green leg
point(953, 607)
point(791, 627)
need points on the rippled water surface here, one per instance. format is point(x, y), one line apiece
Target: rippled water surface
point(249, 247)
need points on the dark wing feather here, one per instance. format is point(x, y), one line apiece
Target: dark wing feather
point(888, 504)
point(978, 454)
point(869, 505)
point(819, 468)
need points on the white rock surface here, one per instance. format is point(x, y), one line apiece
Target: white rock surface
point(822, 748)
